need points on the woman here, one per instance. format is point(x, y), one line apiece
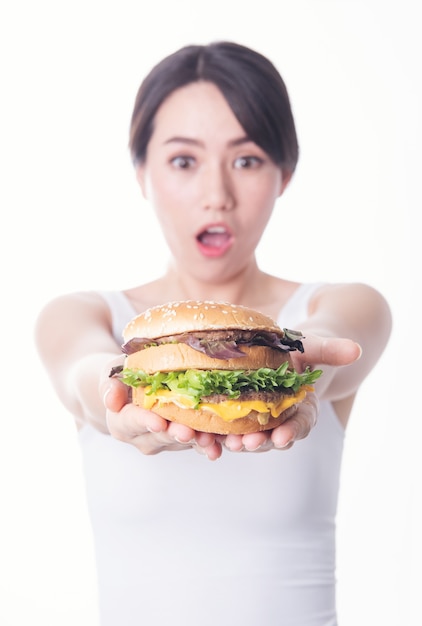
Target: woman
point(249, 539)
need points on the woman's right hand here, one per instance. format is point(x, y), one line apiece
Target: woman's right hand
point(149, 432)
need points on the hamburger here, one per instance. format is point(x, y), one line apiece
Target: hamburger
point(213, 366)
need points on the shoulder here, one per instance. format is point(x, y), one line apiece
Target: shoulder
point(354, 310)
point(67, 305)
point(355, 297)
point(67, 312)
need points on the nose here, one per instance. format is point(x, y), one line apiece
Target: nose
point(217, 189)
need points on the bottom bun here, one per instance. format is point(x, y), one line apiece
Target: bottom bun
point(206, 421)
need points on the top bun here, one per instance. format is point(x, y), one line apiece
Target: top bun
point(183, 316)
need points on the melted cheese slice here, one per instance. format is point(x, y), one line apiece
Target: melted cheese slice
point(165, 396)
point(228, 410)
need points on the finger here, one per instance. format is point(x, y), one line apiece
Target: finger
point(299, 426)
point(204, 443)
point(205, 439)
point(151, 442)
point(181, 433)
point(234, 442)
point(115, 394)
point(212, 452)
point(330, 350)
point(254, 441)
point(133, 421)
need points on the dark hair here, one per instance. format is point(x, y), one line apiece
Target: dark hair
point(251, 84)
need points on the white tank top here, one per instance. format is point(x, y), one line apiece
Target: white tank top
point(246, 540)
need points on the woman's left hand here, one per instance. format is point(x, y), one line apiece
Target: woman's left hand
point(330, 353)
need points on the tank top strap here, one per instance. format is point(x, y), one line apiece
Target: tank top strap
point(121, 311)
point(295, 309)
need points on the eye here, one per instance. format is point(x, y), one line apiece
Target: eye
point(247, 162)
point(183, 162)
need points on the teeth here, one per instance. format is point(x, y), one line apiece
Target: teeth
point(216, 229)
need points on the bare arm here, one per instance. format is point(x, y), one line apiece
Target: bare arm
point(75, 343)
point(74, 340)
point(345, 334)
point(353, 311)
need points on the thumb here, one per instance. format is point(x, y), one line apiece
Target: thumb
point(333, 351)
point(114, 394)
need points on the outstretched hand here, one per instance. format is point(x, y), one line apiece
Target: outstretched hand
point(329, 353)
point(149, 432)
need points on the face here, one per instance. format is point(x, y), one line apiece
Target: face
point(212, 188)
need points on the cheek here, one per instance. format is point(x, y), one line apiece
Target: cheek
point(157, 189)
point(263, 188)
point(169, 205)
point(166, 192)
point(259, 201)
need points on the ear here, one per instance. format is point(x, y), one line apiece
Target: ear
point(140, 177)
point(286, 176)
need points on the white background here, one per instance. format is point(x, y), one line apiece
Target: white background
point(72, 218)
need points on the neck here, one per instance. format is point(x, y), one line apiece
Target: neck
point(239, 289)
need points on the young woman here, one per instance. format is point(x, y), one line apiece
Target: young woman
point(249, 539)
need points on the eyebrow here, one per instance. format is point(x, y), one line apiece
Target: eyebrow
point(196, 142)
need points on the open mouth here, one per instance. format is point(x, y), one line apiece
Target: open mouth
point(214, 240)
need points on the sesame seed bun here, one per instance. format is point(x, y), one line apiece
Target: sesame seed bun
point(196, 315)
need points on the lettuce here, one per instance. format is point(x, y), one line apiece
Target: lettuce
point(199, 383)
